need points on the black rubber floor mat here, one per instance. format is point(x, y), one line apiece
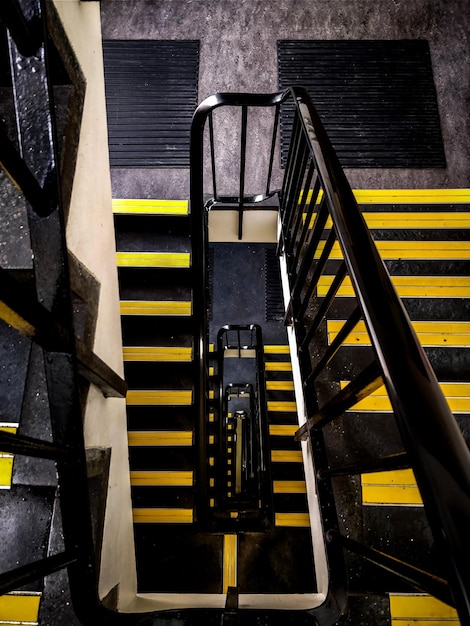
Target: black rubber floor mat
point(376, 99)
point(273, 288)
point(151, 94)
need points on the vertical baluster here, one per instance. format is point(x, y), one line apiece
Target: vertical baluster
point(242, 170)
point(289, 169)
point(335, 345)
point(212, 149)
point(273, 149)
point(308, 218)
point(292, 246)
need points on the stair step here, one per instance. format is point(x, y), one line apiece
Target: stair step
point(279, 385)
point(284, 407)
point(160, 438)
point(162, 516)
point(6, 459)
point(278, 366)
point(289, 486)
point(159, 375)
point(411, 250)
point(413, 220)
point(283, 430)
point(20, 607)
point(160, 397)
point(145, 307)
point(457, 395)
point(153, 259)
point(409, 286)
point(165, 459)
point(170, 331)
point(420, 610)
point(431, 333)
point(163, 417)
point(162, 478)
point(286, 456)
point(150, 207)
point(407, 196)
point(391, 488)
point(298, 520)
point(151, 353)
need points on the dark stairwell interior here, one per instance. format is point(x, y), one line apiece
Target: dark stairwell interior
point(285, 561)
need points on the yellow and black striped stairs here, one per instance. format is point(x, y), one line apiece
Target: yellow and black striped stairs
point(424, 239)
point(154, 260)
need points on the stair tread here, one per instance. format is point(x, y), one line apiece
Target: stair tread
point(153, 259)
point(154, 207)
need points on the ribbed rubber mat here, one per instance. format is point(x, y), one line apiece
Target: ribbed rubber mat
point(376, 99)
point(151, 94)
point(273, 290)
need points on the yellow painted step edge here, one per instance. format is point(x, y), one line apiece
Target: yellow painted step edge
point(457, 396)
point(411, 250)
point(161, 478)
point(20, 607)
point(149, 207)
point(407, 196)
point(160, 438)
point(409, 286)
point(6, 459)
point(286, 430)
point(230, 562)
point(160, 398)
point(152, 259)
point(429, 333)
point(280, 385)
point(409, 220)
point(390, 488)
point(163, 516)
point(147, 307)
point(406, 608)
point(286, 456)
point(149, 353)
point(298, 520)
point(289, 486)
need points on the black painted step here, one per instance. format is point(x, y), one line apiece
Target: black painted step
point(160, 417)
point(158, 375)
point(154, 283)
point(141, 330)
point(152, 233)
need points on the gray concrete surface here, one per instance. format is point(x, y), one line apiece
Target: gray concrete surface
point(238, 53)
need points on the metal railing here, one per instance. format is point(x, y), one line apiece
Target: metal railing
point(319, 213)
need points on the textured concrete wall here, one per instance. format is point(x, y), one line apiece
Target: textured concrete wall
point(90, 236)
point(238, 53)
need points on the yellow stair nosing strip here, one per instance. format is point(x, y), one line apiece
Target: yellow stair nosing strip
point(280, 385)
point(20, 607)
point(171, 478)
point(159, 398)
point(276, 406)
point(153, 259)
point(286, 456)
point(230, 561)
point(160, 438)
point(162, 516)
point(299, 520)
point(278, 366)
point(153, 353)
point(150, 207)
point(289, 486)
point(420, 606)
point(284, 430)
point(276, 349)
point(147, 307)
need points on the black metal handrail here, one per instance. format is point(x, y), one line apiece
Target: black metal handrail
point(314, 189)
point(203, 116)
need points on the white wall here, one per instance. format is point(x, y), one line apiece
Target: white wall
point(90, 236)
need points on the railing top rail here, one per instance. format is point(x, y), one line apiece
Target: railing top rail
point(437, 449)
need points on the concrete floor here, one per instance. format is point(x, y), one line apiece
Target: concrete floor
point(238, 53)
